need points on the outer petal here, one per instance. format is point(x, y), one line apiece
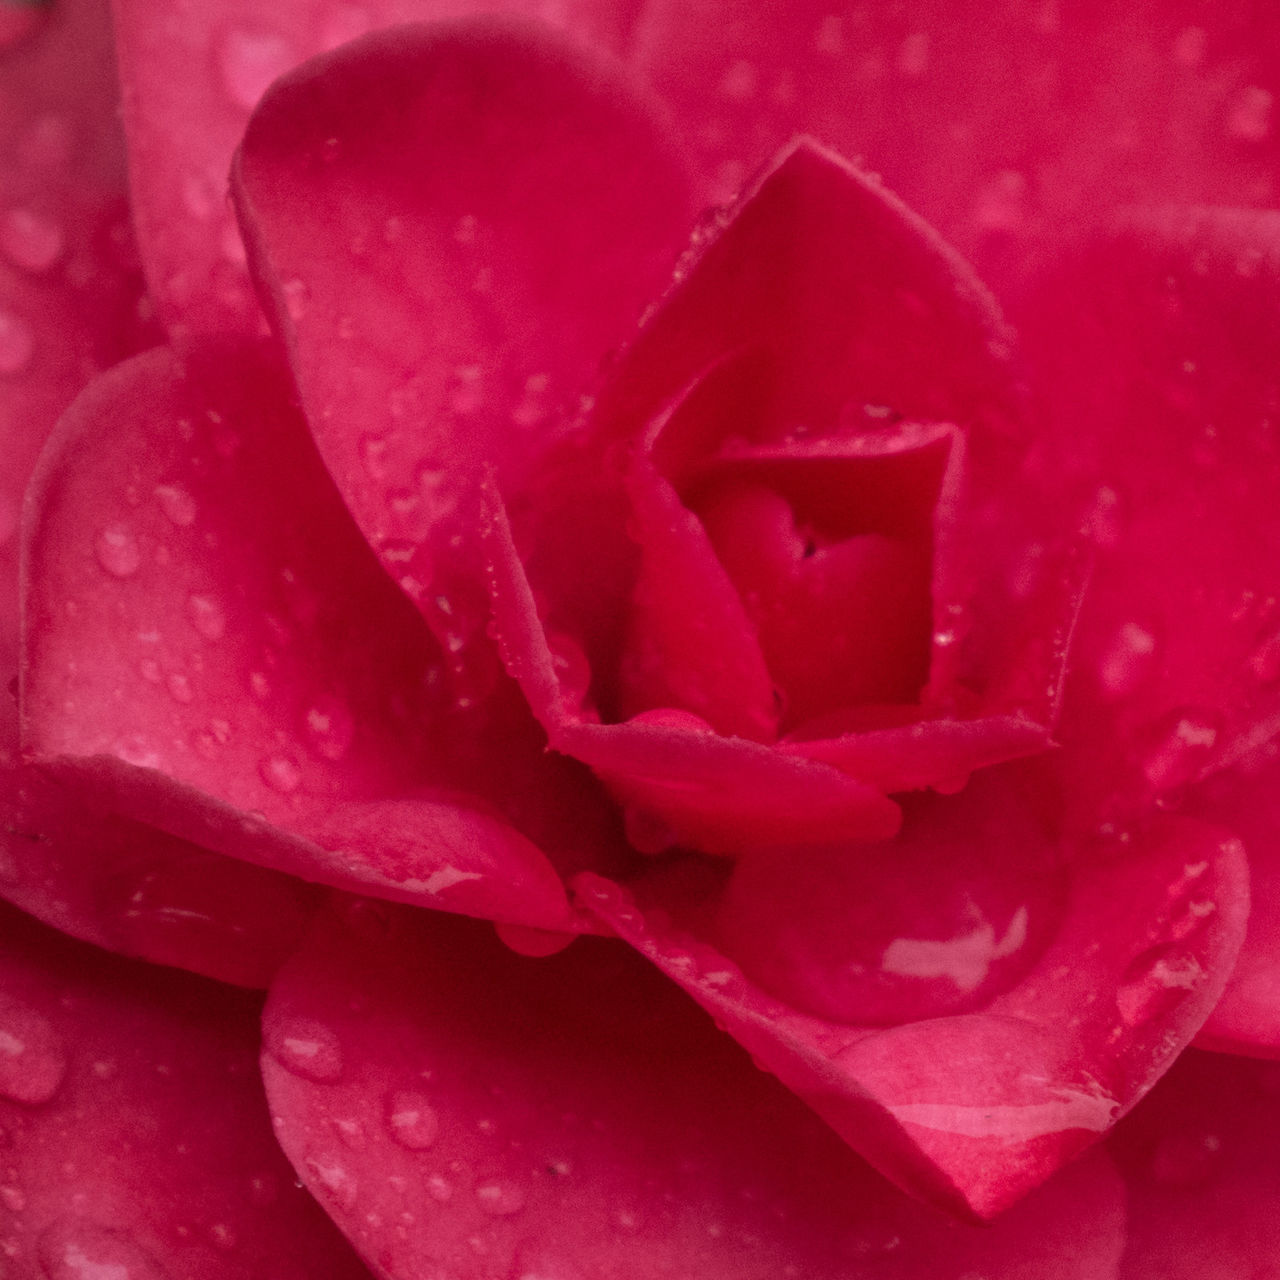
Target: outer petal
point(973, 1110)
point(192, 74)
point(1199, 1161)
point(136, 1142)
point(131, 888)
point(228, 662)
point(1247, 801)
point(1006, 127)
point(68, 282)
point(501, 1117)
point(450, 226)
point(1156, 352)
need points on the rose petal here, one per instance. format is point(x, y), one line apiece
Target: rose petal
point(501, 1116)
point(451, 225)
point(1007, 129)
point(1199, 1162)
point(135, 1137)
point(192, 76)
point(1246, 800)
point(69, 287)
point(133, 889)
point(973, 1110)
point(228, 661)
point(1156, 352)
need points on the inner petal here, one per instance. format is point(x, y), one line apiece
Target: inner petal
point(842, 621)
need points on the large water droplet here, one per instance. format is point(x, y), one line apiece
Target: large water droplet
point(32, 1058)
point(249, 61)
point(17, 344)
point(117, 551)
point(207, 616)
point(412, 1120)
point(75, 1249)
point(31, 240)
point(306, 1048)
point(177, 504)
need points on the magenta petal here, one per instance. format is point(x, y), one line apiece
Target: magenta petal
point(223, 658)
point(450, 226)
point(191, 78)
point(1156, 351)
point(133, 889)
point(136, 1140)
point(1199, 1163)
point(496, 1116)
point(973, 1110)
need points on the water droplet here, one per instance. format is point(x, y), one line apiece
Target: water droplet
point(17, 344)
point(306, 1048)
point(179, 687)
point(373, 456)
point(335, 1182)
point(249, 61)
point(13, 1199)
point(1181, 746)
point(412, 1120)
point(117, 551)
point(1250, 117)
point(501, 1199)
point(206, 615)
point(829, 38)
point(296, 298)
point(913, 54)
point(31, 240)
point(330, 727)
point(466, 391)
point(74, 1249)
point(1128, 660)
point(439, 1189)
point(465, 230)
point(259, 685)
point(1157, 980)
point(1189, 46)
point(32, 1059)
point(740, 81)
point(646, 832)
point(534, 407)
point(281, 773)
point(177, 504)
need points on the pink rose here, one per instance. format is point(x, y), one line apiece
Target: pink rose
point(908, 668)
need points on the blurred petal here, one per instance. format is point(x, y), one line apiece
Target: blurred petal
point(135, 1138)
point(192, 75)
point(496, 1116)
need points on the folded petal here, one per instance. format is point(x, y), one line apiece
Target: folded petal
point(136, 1140)
point(1155, 352)
point(223, 658)
point(972, 1109)
point(191, 78)
point(450, 227)
point(500, 1116)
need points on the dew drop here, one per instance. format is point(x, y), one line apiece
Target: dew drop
point(75, 1249)
point(206, 615)
point(31, 240)
point(646, 832)
point(179, 687)
point(249, 61)
point(17, 344)
point(306, 1048)
point(913, 54)
point(1189, 46)
point(1128, 660)
point(32, 1058)
point(1250, 117)
point(501, 1199)
point(330, 727)
point(466, 391)
point(117, 551)
point(177, 504)
point(296, 298)
point(534, 406)
point(334, 1181)
point(412, 1120)
point(373, 456)
point(439, 1189)
point(739, 82)
point(259, 685)
point(280, 773)
point(13, 1199)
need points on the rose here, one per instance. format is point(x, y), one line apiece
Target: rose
point(325, 719)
